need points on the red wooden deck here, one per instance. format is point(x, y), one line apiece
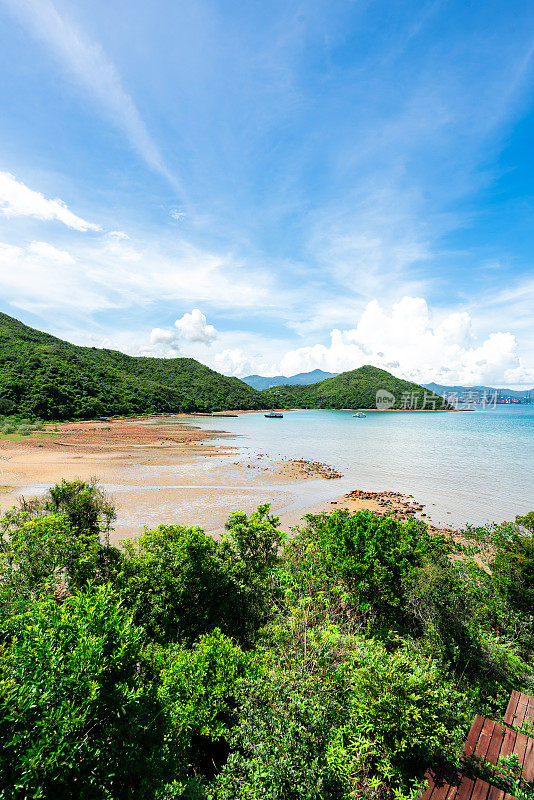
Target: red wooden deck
point(460, 787)
point(519, 710)
point(488, 740)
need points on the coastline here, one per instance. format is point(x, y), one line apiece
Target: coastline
point(159, 471)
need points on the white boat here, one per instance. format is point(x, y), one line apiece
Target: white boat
point(359, 414)
point(274, 415)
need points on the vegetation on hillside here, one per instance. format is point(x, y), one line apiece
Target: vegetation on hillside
point(355, 389)
point(332, 665)
point(45, 377)
point(42, 377)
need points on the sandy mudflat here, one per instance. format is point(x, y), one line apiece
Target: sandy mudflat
point(158, 471)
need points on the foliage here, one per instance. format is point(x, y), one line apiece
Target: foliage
point(278, 749)
point(364, 555)
point(73, 714)
point(338, 663)
point(46, 553)
point(181, 583)
point(401, 712)
point(86, 506)
point(197, 685)
point(511, 558)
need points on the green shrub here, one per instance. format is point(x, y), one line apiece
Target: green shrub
point(403, 714)
point(178, 587)
point(74, 717)
point(364, 555)
point(45, 553)
point(280, 743)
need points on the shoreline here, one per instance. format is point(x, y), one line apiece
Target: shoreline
point(163, 472)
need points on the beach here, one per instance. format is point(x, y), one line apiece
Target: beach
point(168, 470)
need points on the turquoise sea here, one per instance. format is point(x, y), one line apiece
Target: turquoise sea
point(466, 466)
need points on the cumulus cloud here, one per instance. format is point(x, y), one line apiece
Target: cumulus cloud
point(163, 342)
point(233, 361)
point(195, 328)
point(416, 345)
point(18, 200)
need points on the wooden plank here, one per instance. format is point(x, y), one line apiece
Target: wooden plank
point(496, 794)
point(495, 744)
point(441, 785)
point(528, 761)
point(465, 788)
point(508, 742)
point(520, 746)
point(442, 789)
point(521, 710)
point(480, 790)
point(509, 714)
point(485, 738)
point(427, 792)
point(472, 736)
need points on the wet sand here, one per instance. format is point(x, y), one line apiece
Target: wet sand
point(158, 471)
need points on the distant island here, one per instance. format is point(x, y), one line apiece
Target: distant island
point(44, 377)
point(317, 375)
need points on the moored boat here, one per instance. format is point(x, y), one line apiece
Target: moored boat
point(274, 415)
point(359, 414)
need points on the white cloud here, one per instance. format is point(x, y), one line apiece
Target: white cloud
point(86, 63)
point(162, 342)
point(17, 200)
point(194, 328)
point(47, 251)
point(415, 344)
point(40, 277)
point(233, 361)
point(176, 214)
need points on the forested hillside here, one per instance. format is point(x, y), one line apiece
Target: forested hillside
point(46, 377)
point(355, 389)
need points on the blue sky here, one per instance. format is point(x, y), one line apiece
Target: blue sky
point(274, 187)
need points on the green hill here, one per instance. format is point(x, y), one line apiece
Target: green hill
point(354, 389)
point(42, 376)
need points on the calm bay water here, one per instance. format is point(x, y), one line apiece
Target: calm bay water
point(470, 466)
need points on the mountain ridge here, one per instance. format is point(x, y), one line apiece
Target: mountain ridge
point(357, 388)
point(261, 382)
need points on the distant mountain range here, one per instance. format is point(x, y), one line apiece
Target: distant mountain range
point(302, 378)
point(489, 390)
point(307, 378)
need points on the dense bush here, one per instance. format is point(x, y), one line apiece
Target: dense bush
point(181, 583)
point(280, 745)
point(73, 713)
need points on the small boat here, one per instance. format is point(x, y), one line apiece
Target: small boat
point(359, 414)
point(274, 415)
